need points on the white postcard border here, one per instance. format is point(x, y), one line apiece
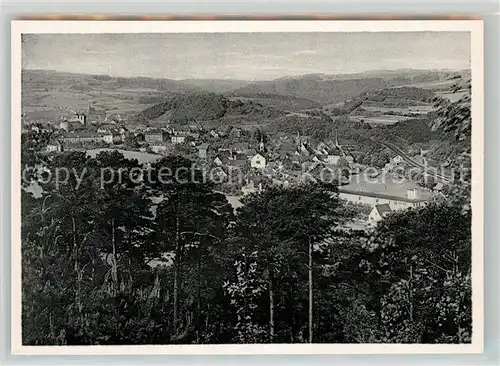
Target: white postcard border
point(477, 65)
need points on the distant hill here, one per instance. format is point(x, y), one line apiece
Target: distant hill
point(330, 89)
point(283, 102)
point(47, 93)
point(215, 85)
point(195, 107)
point(190, 107)
point(318, 90)
point(52, 79)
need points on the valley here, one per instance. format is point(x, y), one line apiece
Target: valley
point(373, 118)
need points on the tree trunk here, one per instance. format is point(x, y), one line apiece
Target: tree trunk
point(310, 293)
point(176, 271)
point(130, 279)
point(411, 293)
point(77, 265)
point(271, 305)
point(198, 298)
point(114, 269)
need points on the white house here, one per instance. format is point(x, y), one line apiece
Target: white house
point(412, 193)
point(438, 187)
point(378, 213)
point(203, 151)
point(108, 138)
point(396, 160)
point(332, 159)
point(349, 159)
point(112, 137)
point(250, 188)
point(217, 161)
point(258, 161)
point(54, 146)
point(178, 139)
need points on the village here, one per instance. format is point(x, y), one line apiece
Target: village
point(243, 161)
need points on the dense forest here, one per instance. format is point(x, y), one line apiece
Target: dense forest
point(247, 278)
point(149, 261)
point(345, 108)
point(196, 107)
point(400, 93)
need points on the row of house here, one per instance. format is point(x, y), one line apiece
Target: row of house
point(233, 132)
point(154, 136)
point(91, 126)
point(59, 142)
point(305, 150)
point(236, 155)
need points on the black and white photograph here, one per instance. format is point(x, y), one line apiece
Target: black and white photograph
point(268, 183)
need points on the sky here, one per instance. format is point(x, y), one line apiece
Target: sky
point(245, 56)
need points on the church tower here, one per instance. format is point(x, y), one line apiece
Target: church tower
point(261, 145)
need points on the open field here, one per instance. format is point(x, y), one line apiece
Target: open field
point(142, 157)
point(422, 109)
point(54, 104)
point(453, 97)
point(381, 120)
point(435, 85)
point(385, 120)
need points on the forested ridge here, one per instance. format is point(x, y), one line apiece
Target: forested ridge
point(195, 107)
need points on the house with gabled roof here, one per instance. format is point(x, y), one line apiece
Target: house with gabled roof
point(258, 161)
point(218, 174)
point(438, 187)
point(112, 137)
point(396, 160)
point(218, 161)
point(105, 127)
point(235, 132)
point(378, 213)
point(54, 145)
point(322, 148)
point(155, 135)
point(203, 150)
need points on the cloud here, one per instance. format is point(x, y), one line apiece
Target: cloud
point(268, 67)
point(305, 52)
point(96, 52)
point(255, 56)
